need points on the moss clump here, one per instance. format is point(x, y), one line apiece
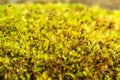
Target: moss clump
point(59, 42)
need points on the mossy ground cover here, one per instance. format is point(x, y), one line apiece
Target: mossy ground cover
point(59, 42)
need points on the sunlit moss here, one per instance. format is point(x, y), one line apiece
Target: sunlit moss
point(59, 41)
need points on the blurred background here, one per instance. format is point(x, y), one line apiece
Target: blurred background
point(109, 4)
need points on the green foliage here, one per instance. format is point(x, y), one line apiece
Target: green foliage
point(59, 42)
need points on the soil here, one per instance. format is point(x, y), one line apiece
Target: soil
point(109, 4)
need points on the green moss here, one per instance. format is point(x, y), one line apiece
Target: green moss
point(59, 42)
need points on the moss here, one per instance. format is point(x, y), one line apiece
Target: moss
point(59, 41)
